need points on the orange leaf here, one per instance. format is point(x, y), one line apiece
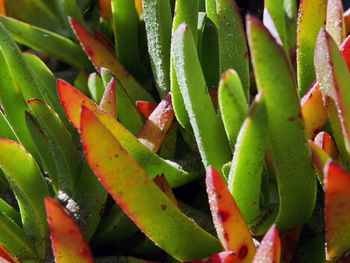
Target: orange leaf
point(337, 210)
point(68, 242)
point(325, 142)
point(101, 57)
point(109, 99)
point(313, 111)
point(319, 158)
point(145, 108)
point(3, 8)
point(270, 247)
point(157, 125)
point(231, 228)
point(72, 101)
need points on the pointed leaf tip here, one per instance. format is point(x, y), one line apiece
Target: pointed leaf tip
point(227, 218)
point(270, 247)
point(68, 242)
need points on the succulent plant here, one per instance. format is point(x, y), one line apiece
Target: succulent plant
point(174, 131)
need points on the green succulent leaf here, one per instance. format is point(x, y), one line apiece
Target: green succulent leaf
point(233, 105)
point(129, 116)
point(23, 174)
point(15, 240)
point(47, 42)
point(139, 197)
point(14, 106)
point(335, 24)
point(210, 135)
point(73, 100)
point(185, 11)
point(233, 51)
point(312, 17)
point(291, 18)
point(210, 8)
point(96, 87)
point(126, 29)
point(290, 152)
point(6, 130)
point(12, 213)
point(248, 162)
point(208, 49)
point(334, 79)
point(60, 143)
point(157, 16)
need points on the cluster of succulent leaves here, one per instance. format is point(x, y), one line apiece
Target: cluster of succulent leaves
point(166, 131)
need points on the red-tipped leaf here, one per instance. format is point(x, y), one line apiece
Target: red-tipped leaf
point(109, 99)
point(145, 108)
point(227, 218)
point(157, 125)
point(68, 242)
point(270, 247)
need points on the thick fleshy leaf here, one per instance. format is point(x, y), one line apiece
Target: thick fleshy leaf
point(10, 212)
point(157, 16)
point(6, 130)
point(14, 107)
point(233, 51)
point(46, 158)
point(3, 10)
point(68, 243)
point(72, 101)
point(292, 167)
point(319, 158)
point(100, 56)
point(325, 142)
point(128, 114)
point(23, 174)
point(33, 12)
point(4, 254)
point(109, 100)
point(185, 11)
point(157, 125)
point(335, 25)
point(334, 79)
point(270, 247)
point(227, 218)
point(291, 12)
point(337, 205)
point(15, 240)
point(274, 20)
point(312, 106)
point(313, 110)
point(222, 257)
point(44, 75)
point(208, 49)
point(210, 9)
point(139, 197)
point(164, 185)
point(248, 162)
point(95, 86)
point(211, 139)
point(233, 105)
point(81, 82)
point(61, 145)
point(146, 108)
point(312, 17)
point(47, 42)
point(125, 26)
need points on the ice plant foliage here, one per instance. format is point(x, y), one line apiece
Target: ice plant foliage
point(136, 131)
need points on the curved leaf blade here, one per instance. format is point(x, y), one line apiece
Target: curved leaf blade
point(139, 197)
point(68, 243)
point(227, 218)
point(290, 152)
point(23, 179)
point(311, 18)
